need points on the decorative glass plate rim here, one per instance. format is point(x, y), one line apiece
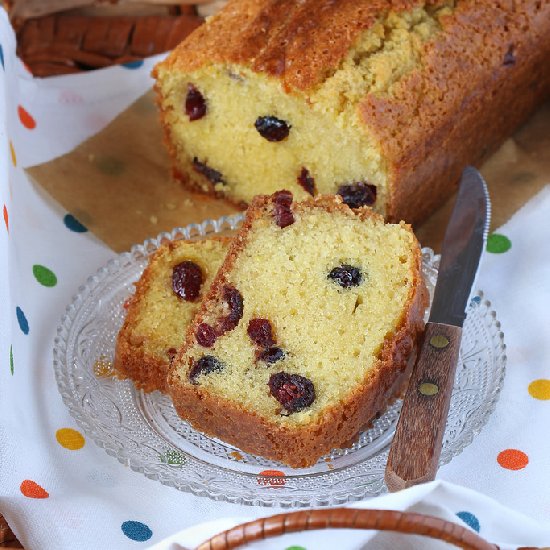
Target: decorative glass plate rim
point(200, 230)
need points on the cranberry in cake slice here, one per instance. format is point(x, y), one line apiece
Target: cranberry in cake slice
point(167, 296)
point(305, 334)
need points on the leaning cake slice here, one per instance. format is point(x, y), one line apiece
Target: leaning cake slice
point(306, 331)
point(166, 299)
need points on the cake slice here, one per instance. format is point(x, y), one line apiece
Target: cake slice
point(306, 331)
point(167, 297)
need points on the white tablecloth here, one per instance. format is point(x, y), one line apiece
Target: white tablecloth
point(59, 490)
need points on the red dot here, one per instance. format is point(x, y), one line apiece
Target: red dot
point(26, 119)
point(31, 489)
point(6, 220)
point(512, 459)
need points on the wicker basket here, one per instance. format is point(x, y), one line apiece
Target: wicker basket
point(348, 518)
point(69, 36)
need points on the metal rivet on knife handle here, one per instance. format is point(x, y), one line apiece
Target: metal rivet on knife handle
point(439, 341)
point(428, 388)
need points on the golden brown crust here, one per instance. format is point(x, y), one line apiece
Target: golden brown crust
point(338, 425)
point(132, 360)
point(482, 76)
point(300, 42)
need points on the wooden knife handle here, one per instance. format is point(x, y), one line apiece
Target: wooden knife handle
point(416, 446)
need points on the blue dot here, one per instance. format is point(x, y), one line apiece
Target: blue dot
point(470, 520)
point(22, 320)
point(475, 301)
point(136, 530)
point(2, 56)
point(133, 64)
point(73, 224)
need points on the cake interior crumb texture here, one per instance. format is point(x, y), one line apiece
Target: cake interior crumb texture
point(326, 136)
point(329, 334)
point(156, 319)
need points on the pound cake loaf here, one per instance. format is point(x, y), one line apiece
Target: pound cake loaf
point(306, 331)
point(165, 301)
point(381, 101)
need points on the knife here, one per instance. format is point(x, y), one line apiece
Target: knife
point(416, 446)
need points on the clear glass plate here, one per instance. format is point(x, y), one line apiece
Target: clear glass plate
point(144, 432)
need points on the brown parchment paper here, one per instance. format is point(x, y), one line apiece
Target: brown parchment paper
point(118, 182)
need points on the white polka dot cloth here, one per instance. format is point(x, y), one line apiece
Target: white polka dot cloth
point(59, 490)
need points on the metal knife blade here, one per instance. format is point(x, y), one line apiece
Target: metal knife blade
point(464, 241)
point(416, 446)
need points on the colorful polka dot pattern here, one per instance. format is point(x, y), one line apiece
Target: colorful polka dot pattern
point(31, 489)
point(22, 320)
point(26, 118)
point(70, 439)
point(73, 224)
point(2, 57)
point(540, 389)
point(498, 244)
point(11, 360)
point(6, 219)
point(44, 276)
point(470, 520)
point(512, 459)
point(135, 530)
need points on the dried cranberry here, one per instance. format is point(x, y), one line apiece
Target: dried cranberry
point(260, 332)
point(209, 173)
point(206, 335)
point(292, 391)
point(234, 300)
point(509, 57)
point(307, 181)
point(281, 208)
point(271, 355)
point(346, 275)
point(272, 128)
point(358, 194)
point(205, 365)
point(195, 105)
point(187, 279)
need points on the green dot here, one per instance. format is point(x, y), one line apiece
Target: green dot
point(295, 548)
point(110, 165)
point(44, 275)
point(11, 360)
point(497, 244)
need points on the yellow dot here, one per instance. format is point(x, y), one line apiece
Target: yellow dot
point(439, 341)
point(70, 439)
point(13, 155)
point(540, 389)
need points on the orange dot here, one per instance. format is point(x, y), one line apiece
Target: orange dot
point(31, 489)
point(512, 459)
point(70, 439)
point(6, 220)
point(13, 155)
point(26, 119)
point(540, 389)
